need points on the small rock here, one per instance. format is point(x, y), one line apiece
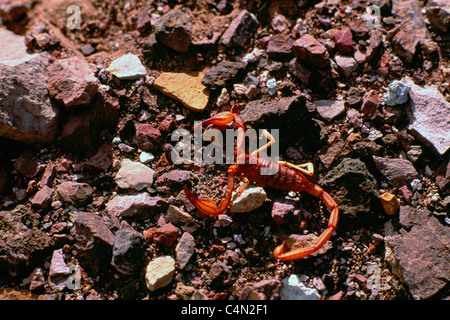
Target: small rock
point(187, 88)
point(139, 206)
point(390, 203)
point(414, 153)
point(311, 51)
point(134, 175)
point(36, 280)
point(127, 67)
point(176, 177)
point(294, 289)
point(370, 105)
point(166, 235)
point(397, 171)
point(439, 17)
point(347, 65)
point(355, 118)
point(443, 175)
point(299, 71)
point(181, 219)
point(146, 157)
point(219, 275)
point(75, 193)
point(147, 137)
point(184, 249)
point(222, 74)
point(329, 109)
point(353, 188)
point(48, 176)
point(397, 93)
point(280, 47)
point(281, 210)
point(42, 198)
point(251, 199)
point(240, 30)
point(72, 82)
point(405, 45)
point(128, 253)
point(93, 241)
point(59, 271)
point(160, 272)
point(28, 165)
point(174, 29)
point(344, 40)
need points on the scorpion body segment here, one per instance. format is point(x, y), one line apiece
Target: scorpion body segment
point(279, 175)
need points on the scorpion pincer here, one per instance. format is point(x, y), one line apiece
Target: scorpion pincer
point(287, 176)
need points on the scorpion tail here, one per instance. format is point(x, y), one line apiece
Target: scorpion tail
point(209, 207)
point(299, 253)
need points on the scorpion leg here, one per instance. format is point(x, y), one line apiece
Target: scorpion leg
point(209, 207)
point(306, 168)
point(299, 253)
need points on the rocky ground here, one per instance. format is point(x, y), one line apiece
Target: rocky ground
point(92, 202)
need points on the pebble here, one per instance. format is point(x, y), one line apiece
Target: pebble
point(59, 271)
point(186, 88)
point(146, 157)
point(272, 86)
point(347, 65)
point(294, 289)
point(160, 272)
point(311, 51)
point(128, 252)
point(397, 171)
point(184, 249)
point(134, 175)
point(127, 67)
point(136, 206)
point(240, 30)
point(174, 29)
point(251, 199)
point(75, 193)
point(396, 93)
point(329, 109)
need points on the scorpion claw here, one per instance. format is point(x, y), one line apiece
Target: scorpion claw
point(205, 206)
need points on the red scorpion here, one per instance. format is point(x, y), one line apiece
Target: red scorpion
point(288, 176)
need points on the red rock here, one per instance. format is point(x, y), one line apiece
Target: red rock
point(370, 105)
point(344, 40)
point(42, 198)
point(166, 235)
point(74, 193)
point(280, 46)
point(48, 176)
point(28, 166)
point(308, 49)
point(405, 45)
point(72, 82)
point(102, 160)
point(147, 137)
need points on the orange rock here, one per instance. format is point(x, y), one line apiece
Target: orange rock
point(390, 203)
point(186, 88)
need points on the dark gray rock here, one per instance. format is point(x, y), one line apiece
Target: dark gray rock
point(222, 74)
point(93, 241)
point(174, 29)
point(418, 253)
point(241, 30)
point(354, 189)
point(128, 254)
point(182, 219)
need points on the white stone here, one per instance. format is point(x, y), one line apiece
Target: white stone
point(146, 157)
point(249, 200)
point(429, 116)
point(127, 67)
point(160, 272)
point(294, 289)
point(134, 175)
